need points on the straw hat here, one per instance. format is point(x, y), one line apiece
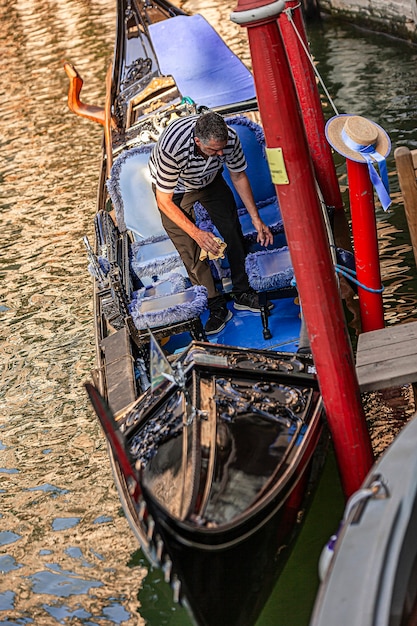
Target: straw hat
point(356, 130)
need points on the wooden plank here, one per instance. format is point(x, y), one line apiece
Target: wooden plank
point(414, 157)
point(386, 374)
point(119, 365)
point(387, 357)
point(406, 163)
point(393, 353)
point(391, 338)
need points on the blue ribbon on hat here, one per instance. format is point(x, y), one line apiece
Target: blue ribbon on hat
point(369, 153)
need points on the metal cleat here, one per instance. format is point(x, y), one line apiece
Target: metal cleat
point(151, 528)
point(176, 587)
point(159, 547)
point(167, 568)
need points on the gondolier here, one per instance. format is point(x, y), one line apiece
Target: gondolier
point(186, 166)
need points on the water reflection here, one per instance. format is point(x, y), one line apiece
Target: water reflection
point(57, 491)
point(66, 552)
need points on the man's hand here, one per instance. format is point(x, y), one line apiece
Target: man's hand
point(265, 237)
point(242, 186)
point(207, 241)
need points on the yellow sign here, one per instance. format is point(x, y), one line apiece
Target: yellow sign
point(277, 166)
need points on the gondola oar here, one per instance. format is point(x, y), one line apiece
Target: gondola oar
point(108, 121)
point(116, 440)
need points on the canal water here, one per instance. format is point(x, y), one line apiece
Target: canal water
point(67, 555)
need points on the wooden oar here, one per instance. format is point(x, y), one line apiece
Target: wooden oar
point(108, 121)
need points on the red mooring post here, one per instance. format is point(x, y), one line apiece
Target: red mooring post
point(289, 158)
point(290, 23)
point(365, 241)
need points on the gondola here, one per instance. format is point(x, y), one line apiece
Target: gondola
point(376, 537)
point(212, 443)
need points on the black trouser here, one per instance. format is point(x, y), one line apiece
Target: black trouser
point(218, 200)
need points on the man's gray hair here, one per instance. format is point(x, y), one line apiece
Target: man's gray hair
point(210, 126)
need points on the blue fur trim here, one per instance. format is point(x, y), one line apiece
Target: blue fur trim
point(154, 239)
point(156, 267)
point(206, 225)
point(172, 283)
point(170, 315)
point(258, 281)
point(244, 121)
point(263, 203)
point(113, 183)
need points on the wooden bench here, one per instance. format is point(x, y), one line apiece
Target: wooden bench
point(406, 163)
point(387, 357)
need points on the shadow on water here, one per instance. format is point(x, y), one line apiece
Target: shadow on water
point(65, 549)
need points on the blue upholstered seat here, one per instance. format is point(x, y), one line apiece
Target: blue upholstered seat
point(129, 186)
point(269, 270)
point(253, 143)
point(166, 302)
point(167, 310)
point(204, 67)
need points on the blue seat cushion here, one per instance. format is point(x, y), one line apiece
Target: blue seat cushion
point(270, 269)
point(167, 310)
point(129, 187)
point(171, 283)
point(253, 143)
point(154, 257)
point(204, 67)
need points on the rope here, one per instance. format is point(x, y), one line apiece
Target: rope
point(350, 275)
point(288, 13)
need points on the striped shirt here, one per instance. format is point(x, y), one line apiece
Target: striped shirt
point(176, 166)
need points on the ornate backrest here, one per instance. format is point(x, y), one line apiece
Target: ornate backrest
point(130, 190)
point(253, 143)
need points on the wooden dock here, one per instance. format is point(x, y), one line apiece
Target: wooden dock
point(387, 357)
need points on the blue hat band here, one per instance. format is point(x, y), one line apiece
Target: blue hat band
point(373, 157)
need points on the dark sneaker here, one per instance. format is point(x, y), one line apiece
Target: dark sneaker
point(249, 301)
point(217, 321)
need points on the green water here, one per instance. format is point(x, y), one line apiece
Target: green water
point(292, 600)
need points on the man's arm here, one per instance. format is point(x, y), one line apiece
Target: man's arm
point(204, 239)
point(242, 185)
